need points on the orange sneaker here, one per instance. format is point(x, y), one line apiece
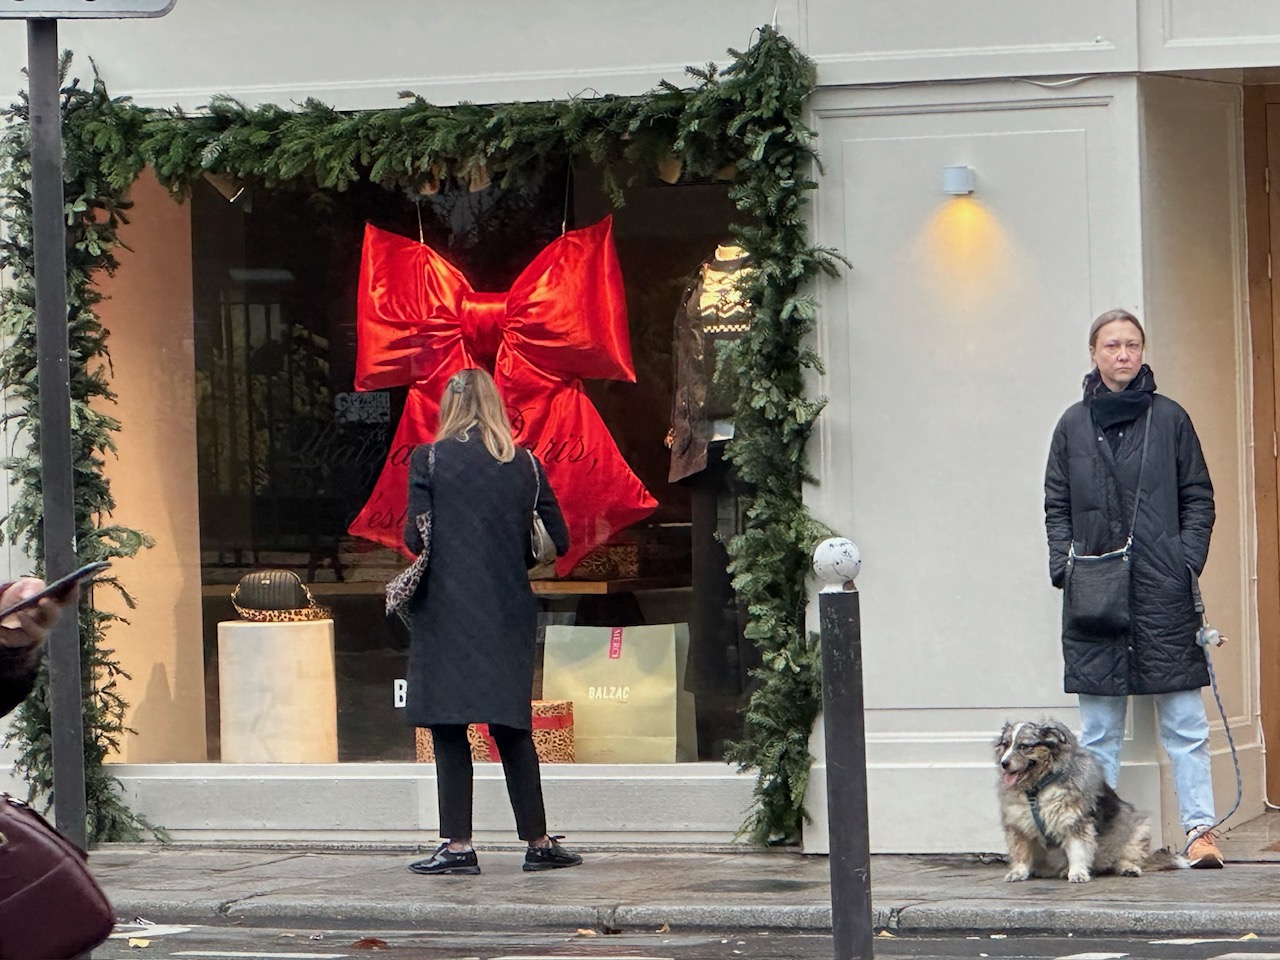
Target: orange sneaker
point(1203, 853)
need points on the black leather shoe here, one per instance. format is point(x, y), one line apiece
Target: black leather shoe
point(445, 861)
point(552, 857)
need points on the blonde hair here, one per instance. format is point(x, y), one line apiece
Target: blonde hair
point(471, 399)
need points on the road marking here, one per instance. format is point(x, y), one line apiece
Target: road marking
point(235, 954)
point(578, 956)
point(1247, 956)
point(125, 930)
point(1094, 956)
point(1193, 941)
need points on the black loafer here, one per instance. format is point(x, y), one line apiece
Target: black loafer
point(551, 857)
point(445, 861)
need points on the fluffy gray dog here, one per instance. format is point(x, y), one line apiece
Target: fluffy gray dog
point(1059, 814)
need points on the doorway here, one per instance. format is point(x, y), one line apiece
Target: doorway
point(1262, 201)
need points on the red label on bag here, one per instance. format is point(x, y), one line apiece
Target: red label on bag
point(615, 643)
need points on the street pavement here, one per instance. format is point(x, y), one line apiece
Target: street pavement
point(722, 889)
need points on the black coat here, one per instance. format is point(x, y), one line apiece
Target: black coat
point(1085, 502)
point(473, 621)
point(17, 675)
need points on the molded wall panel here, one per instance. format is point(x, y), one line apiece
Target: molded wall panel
point(1192, 35)
point(952, 346)
point(888, 40)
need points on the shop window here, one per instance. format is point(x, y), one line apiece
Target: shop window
point(289, 451)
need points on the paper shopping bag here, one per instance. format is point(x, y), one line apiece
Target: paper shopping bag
point(627, 688)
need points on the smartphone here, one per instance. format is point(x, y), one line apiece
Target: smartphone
point(59, 588)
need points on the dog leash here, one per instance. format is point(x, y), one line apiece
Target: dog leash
point(1207, 636)
point(1033, 801)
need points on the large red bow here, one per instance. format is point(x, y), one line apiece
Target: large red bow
point(563, 320)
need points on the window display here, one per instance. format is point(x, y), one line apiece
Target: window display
point(297, 422)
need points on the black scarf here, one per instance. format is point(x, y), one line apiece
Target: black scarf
point(1109, 407)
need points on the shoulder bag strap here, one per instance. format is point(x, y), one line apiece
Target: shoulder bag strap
point(1137, 493)
point(537, 480)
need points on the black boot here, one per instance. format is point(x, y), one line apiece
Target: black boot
point(445, 861)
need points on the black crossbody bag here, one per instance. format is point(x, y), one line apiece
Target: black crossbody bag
point(1095, 596)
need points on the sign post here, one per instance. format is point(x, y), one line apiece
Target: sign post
point(49, 235)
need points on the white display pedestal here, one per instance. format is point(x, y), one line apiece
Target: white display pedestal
point(278, 700)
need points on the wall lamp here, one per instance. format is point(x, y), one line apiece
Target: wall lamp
point(959, 181)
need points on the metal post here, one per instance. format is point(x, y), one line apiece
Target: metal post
point(50, 237)
point(837, 562)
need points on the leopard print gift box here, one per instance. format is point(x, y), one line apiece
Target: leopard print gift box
point(552, 736)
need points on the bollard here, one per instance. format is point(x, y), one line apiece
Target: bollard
point(837, 562)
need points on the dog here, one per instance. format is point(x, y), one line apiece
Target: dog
point(1060, 816)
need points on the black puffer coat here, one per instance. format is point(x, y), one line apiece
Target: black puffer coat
point(1085, 502)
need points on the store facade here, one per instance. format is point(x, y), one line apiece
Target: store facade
point(950, 345)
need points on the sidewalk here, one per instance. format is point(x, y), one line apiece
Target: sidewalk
point(710, 890)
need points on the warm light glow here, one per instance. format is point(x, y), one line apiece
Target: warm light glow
point(967, 258)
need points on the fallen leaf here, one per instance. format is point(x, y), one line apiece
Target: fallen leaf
point(586, 932)
point(665, 928)
point(139, 942)
point(370, 943)
point(889, 936)
point(1250, 936)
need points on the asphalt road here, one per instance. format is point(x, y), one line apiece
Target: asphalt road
point(158, 942)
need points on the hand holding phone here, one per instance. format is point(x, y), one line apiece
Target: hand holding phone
point(58, 591)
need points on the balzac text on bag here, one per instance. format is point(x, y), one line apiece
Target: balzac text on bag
point(621, 694)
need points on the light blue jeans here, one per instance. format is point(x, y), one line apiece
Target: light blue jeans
point(1184, 733)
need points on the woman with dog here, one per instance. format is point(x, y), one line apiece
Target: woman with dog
point(1125, 467)
point(472, 622)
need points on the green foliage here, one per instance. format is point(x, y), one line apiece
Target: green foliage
point(759, 104)
point(100, 135)
point(745, 123)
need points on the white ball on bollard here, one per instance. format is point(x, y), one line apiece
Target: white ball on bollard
point(837, 561)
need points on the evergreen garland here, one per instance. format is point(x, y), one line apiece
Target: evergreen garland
point(96, 177)
point(746, 123)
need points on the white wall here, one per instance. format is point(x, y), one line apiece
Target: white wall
point(362, 55)
point(952, 346)
point(1193, 274)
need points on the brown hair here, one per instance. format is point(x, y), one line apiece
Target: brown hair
point(471, 399)
point(1111, 316)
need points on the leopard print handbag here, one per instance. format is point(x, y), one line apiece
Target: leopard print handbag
point(276, 596)
point(402, 588)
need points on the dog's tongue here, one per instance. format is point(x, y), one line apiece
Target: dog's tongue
point(1008, 779)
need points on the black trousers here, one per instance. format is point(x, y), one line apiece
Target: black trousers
point(454, 779)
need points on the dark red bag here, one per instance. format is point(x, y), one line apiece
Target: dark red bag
point(50, 905)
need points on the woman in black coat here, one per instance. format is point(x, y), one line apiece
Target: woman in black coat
point(1096, 468)
point(473, 620)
